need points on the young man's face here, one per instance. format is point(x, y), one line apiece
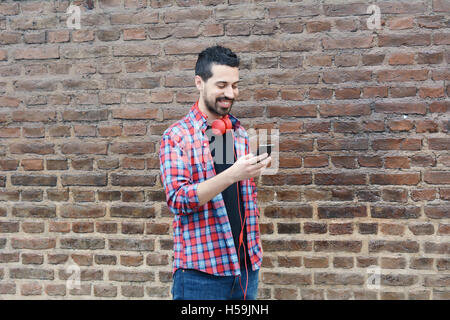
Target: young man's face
point(220, 91)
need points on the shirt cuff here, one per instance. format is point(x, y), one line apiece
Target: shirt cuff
point(192, 196)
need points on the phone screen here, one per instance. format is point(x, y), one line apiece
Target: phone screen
point(264, 148)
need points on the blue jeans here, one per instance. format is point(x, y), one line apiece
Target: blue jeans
point(190, 284)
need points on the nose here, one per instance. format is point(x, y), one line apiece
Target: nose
point(229, 94)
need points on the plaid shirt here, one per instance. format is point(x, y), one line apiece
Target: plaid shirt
point(202, 235)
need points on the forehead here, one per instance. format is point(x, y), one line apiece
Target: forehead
point(224, 73)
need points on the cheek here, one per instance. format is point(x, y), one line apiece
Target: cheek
point(214, 98)
point(213, 94)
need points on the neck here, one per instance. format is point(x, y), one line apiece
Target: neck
point(211, 116)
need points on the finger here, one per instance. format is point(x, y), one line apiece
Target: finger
point(253, 160)
point(248, 156)
point(262, 157)
point(245, 156)
point(258, 159)
point(260, 165)
point(265, 162)
point(268, 161)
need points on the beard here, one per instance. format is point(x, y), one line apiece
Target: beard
point(215, 108)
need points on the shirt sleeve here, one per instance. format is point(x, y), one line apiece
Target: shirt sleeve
point(254, 195)
point(181, 194)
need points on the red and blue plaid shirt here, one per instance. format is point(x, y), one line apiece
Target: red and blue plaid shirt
point(202, 235)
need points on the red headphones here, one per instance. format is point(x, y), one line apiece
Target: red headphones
point(220, 126)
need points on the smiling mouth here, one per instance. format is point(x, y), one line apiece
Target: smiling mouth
point(224, 103)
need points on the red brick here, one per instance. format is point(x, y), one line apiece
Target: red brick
point(9, 9)
point(291, 27)
point(401, 58)
point(395, 7)
point(338, 246)
point(416, 108)
point(394, 179)
point(339, 179)
point(298, 94)
point(430, 57)
point(83, 35)
point(3, 55)
point(348, 93)
point(437, 177)
point(346, 60)
point(317, 93)
point(319, 60)
point(441, 38)
point(348, 43)
point(407, 246)
point(441, 6)
point(398, 40)
point(300, 111)
point(400, 125)
point(31, 289)
point(282, 11)
point(328, 110)
point(335, 10)
point(426, 126)
point(439, 143)
point(318, 26)
point(372, 92)
point(55, 289)
point(134, 34)
point(213, 30)
point(431, 92)
point(372, 59)
point(397, 162)
point(37, 53)
point(346, 76)
point(401, 23)
point(402, 75)
point(402, 92)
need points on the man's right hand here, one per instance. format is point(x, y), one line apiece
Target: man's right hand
point(248, 166)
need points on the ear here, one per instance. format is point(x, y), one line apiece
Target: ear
point(199, 83)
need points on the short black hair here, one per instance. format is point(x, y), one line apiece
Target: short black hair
point(218, 55)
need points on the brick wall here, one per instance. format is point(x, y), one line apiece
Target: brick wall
point(363, 114)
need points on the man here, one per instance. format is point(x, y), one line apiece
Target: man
point(217, 248)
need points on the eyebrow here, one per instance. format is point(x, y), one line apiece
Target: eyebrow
point(226, 81)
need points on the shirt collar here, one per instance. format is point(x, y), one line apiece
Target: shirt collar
point(200, 118)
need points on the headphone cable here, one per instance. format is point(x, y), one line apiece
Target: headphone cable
point(241, 235)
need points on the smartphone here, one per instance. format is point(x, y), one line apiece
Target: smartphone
point(263, 148)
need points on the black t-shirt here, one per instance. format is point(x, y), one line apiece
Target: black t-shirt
point(230, 194)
